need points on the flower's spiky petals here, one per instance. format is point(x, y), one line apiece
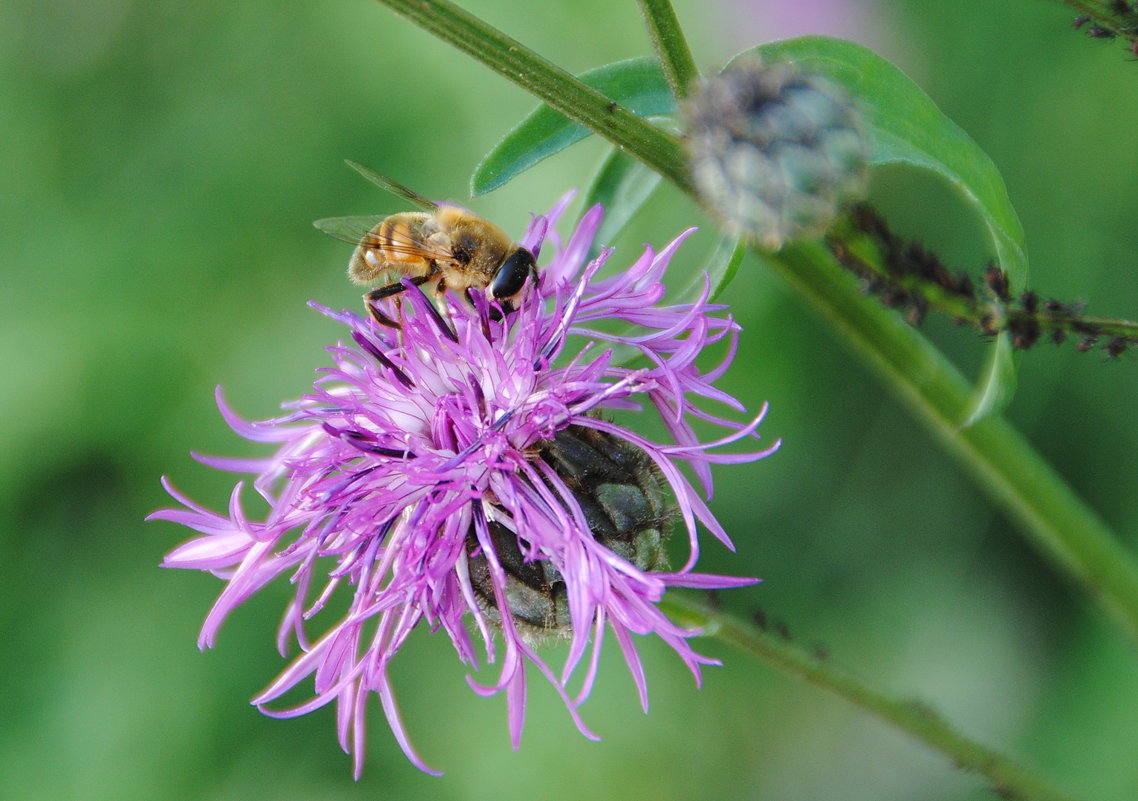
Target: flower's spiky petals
point(635, 667)
point(457, 476)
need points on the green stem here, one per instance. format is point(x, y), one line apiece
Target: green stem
point(1003, 463)
point(1000, 460)
point(671, 46)
point(1121, 19)
point(549, 83)
point(913, 717)
point(1102, 326)
point(904, 281)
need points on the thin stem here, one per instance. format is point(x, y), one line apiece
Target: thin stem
point(907, 277)
point(670, 44)
point(1108, 19)
point(1101, 12)
point(912, 717)
point(1103, 326)
point(548, 82)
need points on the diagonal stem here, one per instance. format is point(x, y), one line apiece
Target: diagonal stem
point(1005, 465)
point(1001, 461)
point(913, 717)
point(671, 45)
point(549, 83)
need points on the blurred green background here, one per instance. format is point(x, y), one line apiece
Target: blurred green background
point(161, 166)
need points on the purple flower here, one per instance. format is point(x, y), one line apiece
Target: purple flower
point(458, 474)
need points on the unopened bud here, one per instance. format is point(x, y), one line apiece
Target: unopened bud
point(776, 154)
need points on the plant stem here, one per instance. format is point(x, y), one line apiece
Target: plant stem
point(997, 456)
point(909, 278)
point(549, 83)
point(671, 46)
point(1004, 465)
point(912, 717)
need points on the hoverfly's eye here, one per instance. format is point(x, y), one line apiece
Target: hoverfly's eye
point(511, 276)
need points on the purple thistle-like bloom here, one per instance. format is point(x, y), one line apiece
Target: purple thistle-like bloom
point(457, 473)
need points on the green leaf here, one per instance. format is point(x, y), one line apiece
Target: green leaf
point(906, 127)
point(723, 262)
point(997, 382)
point(637, 84)
point(622, 185)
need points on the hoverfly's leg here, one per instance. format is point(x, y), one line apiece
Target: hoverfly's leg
point(443, 320)
point(491, 313)
point(388, 291)
point(378, 294)
point(441, 299)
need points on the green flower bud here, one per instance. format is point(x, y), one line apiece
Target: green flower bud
point(775, 154)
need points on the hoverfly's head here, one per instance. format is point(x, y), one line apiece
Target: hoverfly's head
point(511, 277)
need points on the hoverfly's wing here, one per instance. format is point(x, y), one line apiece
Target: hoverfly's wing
point(399, 243)
point(352, 230)
point(396, 188)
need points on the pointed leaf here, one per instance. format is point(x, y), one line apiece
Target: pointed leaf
point(622, 185)
point(997, 382)
point(637, 84)
point(906, 127)
point(723, 262)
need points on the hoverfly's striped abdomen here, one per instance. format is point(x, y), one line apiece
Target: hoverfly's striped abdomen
point(397, 244)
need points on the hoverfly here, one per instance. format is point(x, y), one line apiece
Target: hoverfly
point(444, 245)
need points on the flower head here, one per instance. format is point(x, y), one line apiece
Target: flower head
point(457, 474)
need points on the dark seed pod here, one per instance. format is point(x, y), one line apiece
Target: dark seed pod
point(622, 495)
point(775, 153)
